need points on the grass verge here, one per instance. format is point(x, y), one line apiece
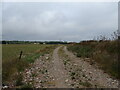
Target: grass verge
point(12, 66)
point(105, 53)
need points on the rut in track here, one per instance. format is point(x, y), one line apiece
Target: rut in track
point(58, 71)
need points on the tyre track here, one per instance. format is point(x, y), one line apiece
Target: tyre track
point(58, 71)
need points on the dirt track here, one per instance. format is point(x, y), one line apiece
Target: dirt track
point(65, 70)
point(58, 71)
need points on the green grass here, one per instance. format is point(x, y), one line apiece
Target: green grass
point(105, 53)
point(13, 50)
point(83, 49)
point(11, 65)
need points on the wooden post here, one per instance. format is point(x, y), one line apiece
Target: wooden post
point(20, 55)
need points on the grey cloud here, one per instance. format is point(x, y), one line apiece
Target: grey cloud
point(54, 21)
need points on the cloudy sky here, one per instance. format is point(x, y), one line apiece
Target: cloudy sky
point(58, 21)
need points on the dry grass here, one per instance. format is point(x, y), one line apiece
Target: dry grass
point(12, 66)
point(105, 53)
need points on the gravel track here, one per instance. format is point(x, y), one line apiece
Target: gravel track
point(49, 71)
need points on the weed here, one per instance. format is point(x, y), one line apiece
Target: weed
point(34, 75)
point(87, 84)
point(72, 77)
point(19, 80)
point(72, 73)
point(26, 86)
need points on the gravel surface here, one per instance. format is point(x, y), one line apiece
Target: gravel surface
point(65, 70)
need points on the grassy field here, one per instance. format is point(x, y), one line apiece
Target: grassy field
point(105, 53)
point(12, 66)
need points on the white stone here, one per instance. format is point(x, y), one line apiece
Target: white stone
point(37, 78)
point(90, 72)
point(25, 80)
point(66, 80)
point(5, 87)
point(40, 81)
point(113, 82)
point(47, 58)
point(75, 64)
point(30, 79)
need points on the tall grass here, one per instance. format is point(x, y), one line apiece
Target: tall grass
point(105, 53)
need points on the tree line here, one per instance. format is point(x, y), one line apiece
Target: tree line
point(33, 42)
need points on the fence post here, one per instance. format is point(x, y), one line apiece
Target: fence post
point(20, 55)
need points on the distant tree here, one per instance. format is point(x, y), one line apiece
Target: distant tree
point(116, 35)
point(3, 42)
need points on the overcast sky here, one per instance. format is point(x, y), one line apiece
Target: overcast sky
point(58, 21)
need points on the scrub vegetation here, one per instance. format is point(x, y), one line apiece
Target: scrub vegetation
point(104, 52)
point(12, 65)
